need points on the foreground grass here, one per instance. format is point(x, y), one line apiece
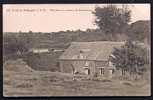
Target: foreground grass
point(43, 83)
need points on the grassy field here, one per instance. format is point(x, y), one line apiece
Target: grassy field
point(21, 80)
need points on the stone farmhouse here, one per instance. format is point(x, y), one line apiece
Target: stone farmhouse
point(89, 58)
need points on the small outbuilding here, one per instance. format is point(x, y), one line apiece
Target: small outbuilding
point(39, 50)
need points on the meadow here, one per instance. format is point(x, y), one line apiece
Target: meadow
point(21, 80)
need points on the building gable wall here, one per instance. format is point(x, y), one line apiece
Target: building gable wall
point(79, 66)
point(70, 66)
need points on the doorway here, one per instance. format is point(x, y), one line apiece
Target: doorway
point(87, 71)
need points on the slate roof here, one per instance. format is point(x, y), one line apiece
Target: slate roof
point(99, 50)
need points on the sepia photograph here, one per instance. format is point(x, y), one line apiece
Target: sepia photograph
point(76, 50)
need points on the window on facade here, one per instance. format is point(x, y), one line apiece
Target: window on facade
point(123, 72)
point(102, 71)
point(88, 71)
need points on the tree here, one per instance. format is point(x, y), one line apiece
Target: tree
point(111, 19)
point(15, 44)
point(130, 57)
point(140, 30)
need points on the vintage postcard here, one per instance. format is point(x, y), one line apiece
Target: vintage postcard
point(76, 50)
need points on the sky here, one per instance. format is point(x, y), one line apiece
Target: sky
point(44, 18)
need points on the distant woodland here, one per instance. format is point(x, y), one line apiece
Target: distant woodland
point(138, 31)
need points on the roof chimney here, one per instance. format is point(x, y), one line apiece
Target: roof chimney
point(81, 54)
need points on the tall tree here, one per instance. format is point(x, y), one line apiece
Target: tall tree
point(111, 19)
point(140, 30)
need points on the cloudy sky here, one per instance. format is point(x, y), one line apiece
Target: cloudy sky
point(44, 18)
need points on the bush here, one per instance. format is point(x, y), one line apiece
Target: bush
point(42, 62)
point(131, 57)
